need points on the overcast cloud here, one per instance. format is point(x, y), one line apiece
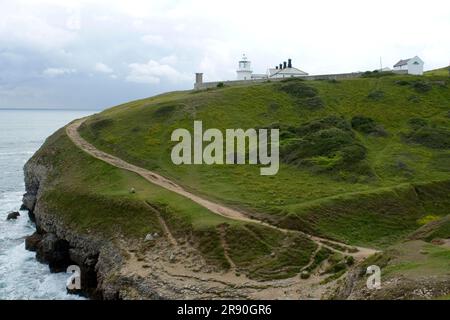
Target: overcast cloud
point(95, 54)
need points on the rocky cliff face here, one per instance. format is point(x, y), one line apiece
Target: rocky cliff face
point(60, 246)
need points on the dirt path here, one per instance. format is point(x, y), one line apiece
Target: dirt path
point(163, 224)
point(72, 132)
point(226, 249)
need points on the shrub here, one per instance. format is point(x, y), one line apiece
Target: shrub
point(298, 89)
point(323, 123)
point(421, 86)
point(292, 79)
point(414, 99)
point(313, 102)
point(436, 138)
point(220, 85)
point(363, 124)
point(377, 74)
point(101, 123)
point(376, 95)
point(417, 123)
point(349, 260)
point(402, 82)
point(323, 144)
point(367, 125)
point(164, 111)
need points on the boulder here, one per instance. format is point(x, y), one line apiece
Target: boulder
point(149, 237)
point(32, 242)
point(55, 252)
point(13, 215)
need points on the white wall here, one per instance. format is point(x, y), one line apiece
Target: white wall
point(244, 75)
point(415, 66)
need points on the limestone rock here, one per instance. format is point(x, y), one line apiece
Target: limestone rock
point(13, 215)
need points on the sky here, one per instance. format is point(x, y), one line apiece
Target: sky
point(100, 53)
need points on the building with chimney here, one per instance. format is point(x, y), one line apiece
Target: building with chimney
point(412, 65)
point(283, 70)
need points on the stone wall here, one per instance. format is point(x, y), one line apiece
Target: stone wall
point(337, 76)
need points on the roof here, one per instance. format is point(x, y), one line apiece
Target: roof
point(289, 71)
point(401, 63)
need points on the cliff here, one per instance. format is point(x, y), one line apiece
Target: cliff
point(59, 245)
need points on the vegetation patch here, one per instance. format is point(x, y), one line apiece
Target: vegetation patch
point(304, 95)
point(436, 228)
point(368, 126)
point(263, 253)
point(431, 137)
point(376, 95)
point(421, 86)
point(377, 74)
point(164, 111)
point(315, 192)
point(321, 255)
point(324, 145)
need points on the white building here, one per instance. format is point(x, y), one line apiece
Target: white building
point(283, 70)
point(412, 65)
point(244, 72)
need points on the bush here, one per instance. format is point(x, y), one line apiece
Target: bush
point(377, 74)
point(414, 99)
point(376, 95)
point(421, 86)
point(367, 125)
point(313, 102)
point(305, 95)
point(292, 79)
point(436, 138)
point(349, 260)
point(363, 124)
point(101, 123)
point(323, 144)
point(417, 123)
point(298, 89)
point(164, 111)
point(402, 82)
point(323, 123)
point(220, 85)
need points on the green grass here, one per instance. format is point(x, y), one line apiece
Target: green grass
point(438, 72)
point(416, 258)
point(94, 198)
point(345, 203)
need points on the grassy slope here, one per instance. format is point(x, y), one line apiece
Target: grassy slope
point(420, 259)
point(438, 72)
point(376, 210)
point(94, 197)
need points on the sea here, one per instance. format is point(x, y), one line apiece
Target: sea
point(22, 132)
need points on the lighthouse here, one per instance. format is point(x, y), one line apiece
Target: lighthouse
point(244, 72)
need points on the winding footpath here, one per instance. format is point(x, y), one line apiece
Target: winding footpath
point(152, 177)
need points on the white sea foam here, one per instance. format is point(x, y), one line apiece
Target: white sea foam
point(21, 275)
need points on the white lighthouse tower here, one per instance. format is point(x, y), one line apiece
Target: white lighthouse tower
point(244, 72)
